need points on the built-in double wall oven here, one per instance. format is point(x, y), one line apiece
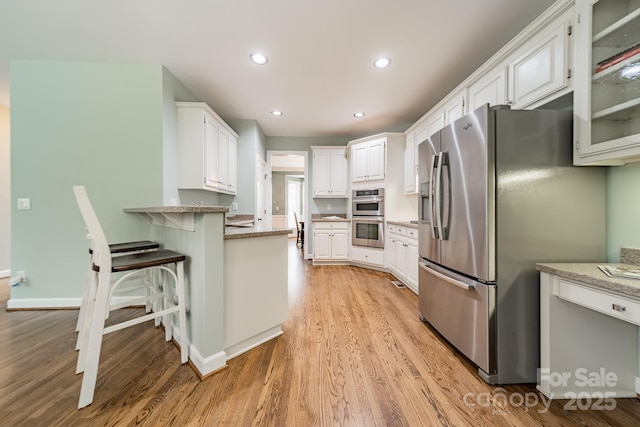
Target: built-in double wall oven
point(367, 217)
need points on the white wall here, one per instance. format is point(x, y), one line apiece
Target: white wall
point(5, 193)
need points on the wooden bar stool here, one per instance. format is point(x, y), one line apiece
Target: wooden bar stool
point(115, 249)
point(168, 300)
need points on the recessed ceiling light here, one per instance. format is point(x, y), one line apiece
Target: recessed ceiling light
point(259, 58)
point(382, 62)
point(358, 114)
point(276, 113)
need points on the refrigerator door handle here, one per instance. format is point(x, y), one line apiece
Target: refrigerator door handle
point(448, 279)
point(432, 190)
point(438, 217)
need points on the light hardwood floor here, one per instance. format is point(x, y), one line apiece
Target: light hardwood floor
point(353, 353)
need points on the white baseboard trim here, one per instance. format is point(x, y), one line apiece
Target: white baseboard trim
point(42, 303)
point(207, 365)
point(5, 273)
point(50, 303)
point(254, 341)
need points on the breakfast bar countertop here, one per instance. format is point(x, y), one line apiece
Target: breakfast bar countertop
point(247, 232)
point(179, 209)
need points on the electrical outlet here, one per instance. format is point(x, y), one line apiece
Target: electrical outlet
point(24, 204)
point(277, 208)
point(234, 206)
point(328, 207)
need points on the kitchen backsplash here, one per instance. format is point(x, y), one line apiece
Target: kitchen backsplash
point(630, 256)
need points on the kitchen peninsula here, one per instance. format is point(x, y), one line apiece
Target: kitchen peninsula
point(236, 280)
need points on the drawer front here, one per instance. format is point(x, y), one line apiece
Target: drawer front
point(397, 229)
point(609, 304)
point(412, 233)
point(333, 225)
point(367, 255)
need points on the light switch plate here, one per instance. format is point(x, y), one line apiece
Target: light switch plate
point(24, 204)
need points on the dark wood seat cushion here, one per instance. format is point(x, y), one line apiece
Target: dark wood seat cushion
point(143, 260)
point(141, 245)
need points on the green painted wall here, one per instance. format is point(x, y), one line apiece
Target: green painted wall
point(279, 192)
point(172, 91)
point(250, 147)
point(93, 123)
point(5, 194)
point(623, 209)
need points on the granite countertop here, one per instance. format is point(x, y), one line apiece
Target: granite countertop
point(247, 232)
point(590, 274)
point(403, 223)
point(329, 218)
point(179, 209)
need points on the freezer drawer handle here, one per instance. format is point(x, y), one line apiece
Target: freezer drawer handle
point(448, 279)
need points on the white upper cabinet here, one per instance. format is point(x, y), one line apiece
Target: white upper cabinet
point(541, 66)
point(490, 88)
point(410, 170)
point(435, 122)
point(233, 165)
point(207, 149)
point(329, 172)
point(211, 154)
point(368, 160)
point(607, 86)
point(453, 108)
point(412, 139)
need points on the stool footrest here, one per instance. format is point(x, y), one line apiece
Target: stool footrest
point(140, 319)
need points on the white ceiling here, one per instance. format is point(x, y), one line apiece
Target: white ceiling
point(320, 52)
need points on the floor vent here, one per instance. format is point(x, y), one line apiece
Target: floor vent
point(398, 284)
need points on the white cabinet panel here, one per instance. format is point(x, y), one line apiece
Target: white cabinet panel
point(491, 89)
point(207, 149)
point(454, 108)
point(435, 122)
point(329, 172)
point(322, 245)
point(331, 241)
point(211, 152)
point(368, 160)
point(410, 171)
point(402, 254)
point(233, 165)
point(542, 67)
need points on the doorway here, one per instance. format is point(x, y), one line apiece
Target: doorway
point(287, 189)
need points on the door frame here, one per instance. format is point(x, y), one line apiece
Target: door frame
point(305, 200)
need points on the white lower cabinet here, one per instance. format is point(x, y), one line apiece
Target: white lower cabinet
point(588, 342)
point(402, 254)
point(370, 256)
point(330, 241)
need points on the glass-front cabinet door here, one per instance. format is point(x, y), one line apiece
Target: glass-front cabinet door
point(607, 86)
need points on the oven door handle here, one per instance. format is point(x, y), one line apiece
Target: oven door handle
point(448, 279)
point(368, 199)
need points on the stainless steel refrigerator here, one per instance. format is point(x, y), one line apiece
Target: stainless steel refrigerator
point(498, 193)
